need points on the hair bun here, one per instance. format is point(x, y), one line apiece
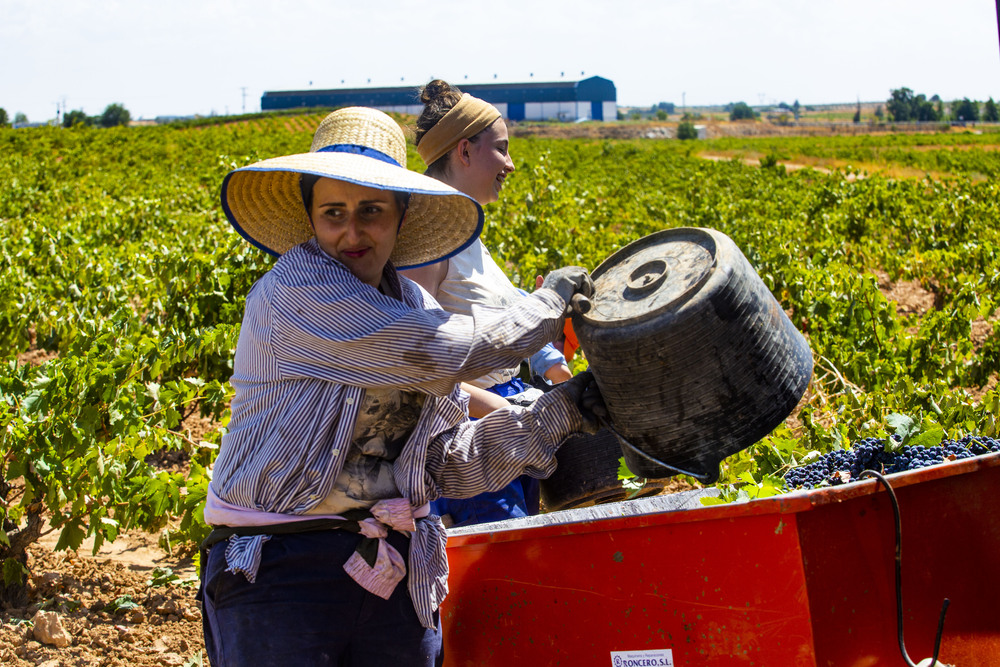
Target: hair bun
point(438, 89)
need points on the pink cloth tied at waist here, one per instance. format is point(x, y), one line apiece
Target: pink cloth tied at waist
point(381, 575)
point(389, 568)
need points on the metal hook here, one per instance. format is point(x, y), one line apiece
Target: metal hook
point(899, 578)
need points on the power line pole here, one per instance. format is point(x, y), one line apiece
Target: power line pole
point(244, 89)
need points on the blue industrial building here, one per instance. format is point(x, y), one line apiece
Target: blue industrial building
point(593, 98)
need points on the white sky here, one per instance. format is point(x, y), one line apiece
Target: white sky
point(185, 57)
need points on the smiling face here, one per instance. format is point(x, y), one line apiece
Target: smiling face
point(480, 167)
point(355, 225)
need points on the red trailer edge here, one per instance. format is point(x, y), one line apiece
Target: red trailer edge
point(803, 579)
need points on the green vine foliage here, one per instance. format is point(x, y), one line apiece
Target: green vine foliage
point(819, 241)
point(122, 288)
point(117, 266)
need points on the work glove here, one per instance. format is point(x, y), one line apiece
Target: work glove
point(582, 389)
point(574, 285)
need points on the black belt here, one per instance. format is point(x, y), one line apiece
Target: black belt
point(368, 547)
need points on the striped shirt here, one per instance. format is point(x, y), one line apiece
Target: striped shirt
point(314, 338)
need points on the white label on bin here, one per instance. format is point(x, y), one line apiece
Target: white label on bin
point(659, 658)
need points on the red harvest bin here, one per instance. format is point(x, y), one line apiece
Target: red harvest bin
point(805, 579)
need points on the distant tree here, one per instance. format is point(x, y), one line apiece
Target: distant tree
point(965, 110)
point(741, 111)
point(990, 113)
point(900, 105)
point(686, 130)
point(796, 109)
point(924, 109)
point(669, 107)
point(75, 117)
point(857, 113)
point(904, 106)
point(3, 117)
point(115, 114)
point(879, 113)
point(661, 114)
point(20, 118)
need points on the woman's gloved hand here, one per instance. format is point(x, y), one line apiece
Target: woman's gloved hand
point(573, 284)
point(586, 395)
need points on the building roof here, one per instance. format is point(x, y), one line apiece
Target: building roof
point(593, 88)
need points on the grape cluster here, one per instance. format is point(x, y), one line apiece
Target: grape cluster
point(846, 465)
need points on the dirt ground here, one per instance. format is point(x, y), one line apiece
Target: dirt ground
point(112, 610)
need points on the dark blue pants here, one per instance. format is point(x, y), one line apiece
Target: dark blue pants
point(305, 610)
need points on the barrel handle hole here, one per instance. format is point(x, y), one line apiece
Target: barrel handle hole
point(647, 277)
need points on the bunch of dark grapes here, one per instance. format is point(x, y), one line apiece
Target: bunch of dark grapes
point(845, 465)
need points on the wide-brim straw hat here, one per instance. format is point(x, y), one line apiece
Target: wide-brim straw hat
point(263, 201)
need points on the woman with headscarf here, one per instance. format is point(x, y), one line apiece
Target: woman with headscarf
point(463, 141)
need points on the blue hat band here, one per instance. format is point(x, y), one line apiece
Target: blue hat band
point(367, 151)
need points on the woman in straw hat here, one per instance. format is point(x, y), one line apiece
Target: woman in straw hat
point(463, 141)
point(347, 418)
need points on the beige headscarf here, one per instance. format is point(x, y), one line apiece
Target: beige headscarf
point(467, 118)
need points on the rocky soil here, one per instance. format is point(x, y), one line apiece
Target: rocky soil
point(116, 609)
